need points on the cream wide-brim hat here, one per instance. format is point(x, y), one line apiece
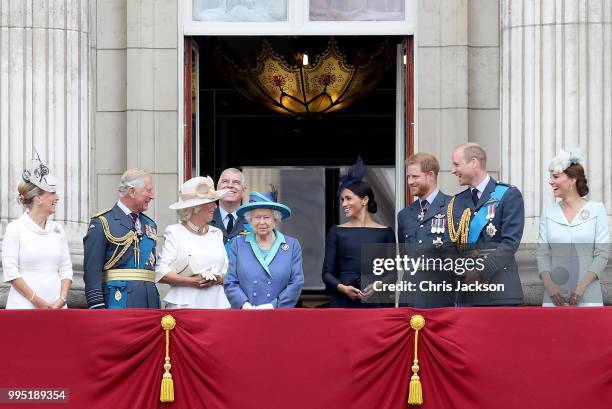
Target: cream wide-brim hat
point(197, 191)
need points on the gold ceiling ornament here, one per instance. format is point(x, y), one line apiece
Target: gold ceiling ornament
point(329, 84)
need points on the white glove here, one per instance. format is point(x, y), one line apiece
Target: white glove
point(247, 306)
point(264, 307)
point(208, 274)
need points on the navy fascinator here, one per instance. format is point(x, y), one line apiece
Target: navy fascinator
point(354, 175)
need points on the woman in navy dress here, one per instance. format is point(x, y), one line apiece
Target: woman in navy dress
point(344, 243)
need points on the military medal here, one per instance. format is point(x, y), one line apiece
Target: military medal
point(117, 295)
point(437, 242)
point(151, 259)
point(490, 229)
point(440, 224)
point(423, 210)
point(150, 232)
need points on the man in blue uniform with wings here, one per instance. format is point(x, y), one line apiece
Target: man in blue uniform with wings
point(119, 261)
point(486, 220)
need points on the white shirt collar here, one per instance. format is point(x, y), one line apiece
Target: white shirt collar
point(483, 185)
point(432, 196)
point(123, 207)
point(224, 214)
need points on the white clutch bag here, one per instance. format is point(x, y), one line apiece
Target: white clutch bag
point(185, 266)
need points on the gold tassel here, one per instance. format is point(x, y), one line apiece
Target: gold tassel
point(167, 385)
point(415, 393)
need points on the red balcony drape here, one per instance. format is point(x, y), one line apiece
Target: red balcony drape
point(359, 359)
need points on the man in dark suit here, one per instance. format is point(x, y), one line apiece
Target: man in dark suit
point(225, 217)
point(119, 259)
point(422, 232)
point(496, 214)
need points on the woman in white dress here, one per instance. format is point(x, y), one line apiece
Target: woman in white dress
point(35, 256)
point(573, 240)
point(193, 260)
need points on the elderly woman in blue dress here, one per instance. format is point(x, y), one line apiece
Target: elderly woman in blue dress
point(573, 240)
point(265, 266)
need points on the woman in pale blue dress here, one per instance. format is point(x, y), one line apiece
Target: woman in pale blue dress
point(573, 240)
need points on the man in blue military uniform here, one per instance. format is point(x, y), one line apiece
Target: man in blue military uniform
point(119, 261)
point(422, 232)
point(488, 220)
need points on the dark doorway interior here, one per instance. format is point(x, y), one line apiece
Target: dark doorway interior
point(236, 131)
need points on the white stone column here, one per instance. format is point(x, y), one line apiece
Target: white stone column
point(458, 81)
point(442, 83)
point(556, 91)
point(137, 99)
point(44, 103)
point(152, 121)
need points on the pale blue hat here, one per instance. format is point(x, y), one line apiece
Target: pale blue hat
point(263, 200)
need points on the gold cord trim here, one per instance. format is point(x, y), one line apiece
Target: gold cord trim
point(460, 235)
point(123, 243)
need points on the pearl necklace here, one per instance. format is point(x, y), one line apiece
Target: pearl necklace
point(197, 229)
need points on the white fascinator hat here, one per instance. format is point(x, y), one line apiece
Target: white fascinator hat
point(565, 158)
point(39, 174)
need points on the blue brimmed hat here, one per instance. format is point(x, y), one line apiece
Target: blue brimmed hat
point(263, 200)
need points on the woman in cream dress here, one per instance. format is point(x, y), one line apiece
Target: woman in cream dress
point(573, 239)
point(195, 247)
point(35, 257)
